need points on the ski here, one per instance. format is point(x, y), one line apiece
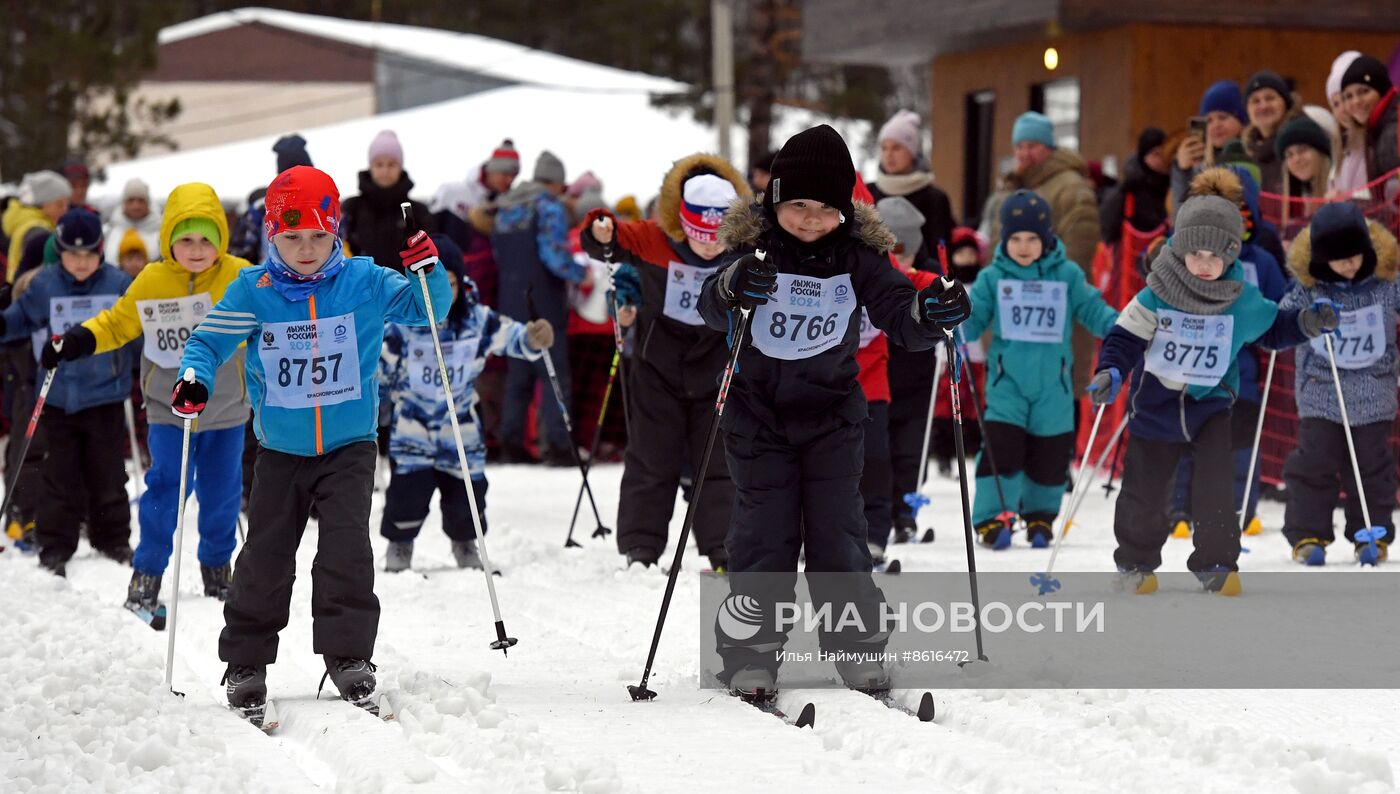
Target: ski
point(375, 704)
point(153, 618)
point(262, 716)
point(807, 718)
point(924, 713)
point(891, 567)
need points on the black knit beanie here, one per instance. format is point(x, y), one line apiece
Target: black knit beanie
point(816, 165)
point(1268, 79)
point(1149, 139)
point(1367, 71)
point(1339, 231)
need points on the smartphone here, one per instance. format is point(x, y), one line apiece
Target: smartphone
point(1197, 126)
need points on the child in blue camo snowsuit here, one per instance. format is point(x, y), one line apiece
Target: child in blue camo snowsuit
point(1028, 297)
point(422, 448)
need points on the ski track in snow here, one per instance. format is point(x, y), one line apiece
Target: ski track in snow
point(86, 709)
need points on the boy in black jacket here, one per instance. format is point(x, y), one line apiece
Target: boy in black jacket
point(793, 434)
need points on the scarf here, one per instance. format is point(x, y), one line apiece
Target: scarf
point(294, 286)
point(903, 184)
point(1174, 284)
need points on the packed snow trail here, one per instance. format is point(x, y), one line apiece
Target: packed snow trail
point(81, 684)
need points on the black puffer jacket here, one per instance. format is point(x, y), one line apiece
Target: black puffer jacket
point(373, 224)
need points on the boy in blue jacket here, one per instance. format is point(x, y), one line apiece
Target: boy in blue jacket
point(1180, 338)
point(83, 425)
point(314, 324)
point(1029, 297)
point(1344, 258)
point(422, 449)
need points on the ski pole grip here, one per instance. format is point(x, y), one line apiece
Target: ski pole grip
point(410, 223)
point(530, 304)
point(189, 375)
point(57, 343)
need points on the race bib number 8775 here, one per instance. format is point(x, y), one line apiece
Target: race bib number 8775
point(1191, 348)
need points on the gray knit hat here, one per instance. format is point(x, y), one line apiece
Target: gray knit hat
point(41, 187)
point(1208, 223)
point(904, 220)
point(549, 168)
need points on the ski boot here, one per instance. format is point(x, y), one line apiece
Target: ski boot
point(54, 565)
point(1181, 526)
point(1040, 532)
point(877, 556)
point(354, 679)
point(642, 556)
point(1220, 580)
point(218, 580)
point(864, 675)
point(719, 560)
point(399, 557)
point(464, 552)
point(1310, 551)
point(906, 529)
point(1254, 527)
point(1366, 556)
point(22, 533)
point(143, 599)
point(945, 468)
point(245, 685)
point(994, 534)
point(1136, 581)
point(754, 685)
point(119, 554)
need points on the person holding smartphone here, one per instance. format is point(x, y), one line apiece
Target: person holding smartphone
point(1221, 118)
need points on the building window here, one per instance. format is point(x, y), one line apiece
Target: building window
point(977, 169)
point(1059, 100)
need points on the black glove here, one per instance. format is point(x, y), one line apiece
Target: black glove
point(189, 397)
point(944, 303)
point(73, 345)
point(1318, 319)
point(749, 281)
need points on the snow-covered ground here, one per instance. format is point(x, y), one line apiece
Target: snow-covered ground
point(85, 709)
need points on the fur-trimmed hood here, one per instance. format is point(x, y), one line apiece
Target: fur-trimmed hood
point(745, 223)
point(1387, 255)
point(668, 202)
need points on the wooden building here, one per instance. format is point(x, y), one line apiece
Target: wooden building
point(1117, 66)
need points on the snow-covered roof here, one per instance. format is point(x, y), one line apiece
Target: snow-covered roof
point(620, 137)
point(493, 57)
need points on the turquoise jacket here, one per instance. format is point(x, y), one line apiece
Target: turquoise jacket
point(312, 403)
point(1035, 366)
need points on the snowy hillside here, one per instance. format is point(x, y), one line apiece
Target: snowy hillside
point(81, 688)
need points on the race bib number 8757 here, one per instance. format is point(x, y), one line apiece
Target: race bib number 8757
point(311, 362)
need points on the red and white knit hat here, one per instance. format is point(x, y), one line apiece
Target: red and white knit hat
point(703, 202)
point(302, 197)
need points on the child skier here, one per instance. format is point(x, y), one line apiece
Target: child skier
point(1180, 337)
point(317, 320)
point(1343, 258)
point(1027, 297)
point(163, 305)
point(793, 434)
point(671, 382)
point(83, 475)
point(422, 448)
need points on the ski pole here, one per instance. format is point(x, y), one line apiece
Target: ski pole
point(1371, 533)
point(639, 691)
point(1043, 581)
point(29, 432)
point(1007, 517)
point(613, 370)
point(602, 530)
point(135, 449)
point(1258, 435)
point(963, 487)
point(502, 642)
point(179, 537)
point(1077, 499)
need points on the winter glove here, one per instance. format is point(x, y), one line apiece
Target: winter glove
point(73, 345)
point(1318, 319)
point(627, 288)
point(1103, 389)
point(419, 254)
point(748, 281)
point(189, 397)
point(943, 303)
point(539, 334)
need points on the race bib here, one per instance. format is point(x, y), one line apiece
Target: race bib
point(683, 292)
point(1031, 311)
point(311, 362)
point(1362, 338)
point(868, 332)
point(804, 317)
point(167, 324)
point(1191, 348)
point(68, 311)
point(425, 379)
point(1251, 273)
